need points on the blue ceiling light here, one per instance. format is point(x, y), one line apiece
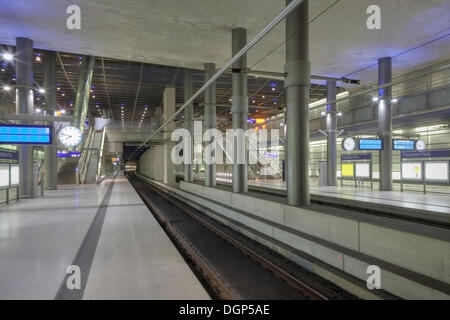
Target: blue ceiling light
point(273, 84)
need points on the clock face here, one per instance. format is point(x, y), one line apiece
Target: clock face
point(349, 144)
point(70, 136)
point(420, 145)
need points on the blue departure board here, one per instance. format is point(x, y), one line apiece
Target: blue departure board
point(25, 134)
point(407, 145)
point(370, 144)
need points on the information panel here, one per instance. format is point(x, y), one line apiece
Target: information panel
point(404, 145)
point(14, 175)
point(436, 171)
point(25, 134)
point(362, 170)
point(370, 144)
point(4, 175)
point(412, 171)
point(348, 169)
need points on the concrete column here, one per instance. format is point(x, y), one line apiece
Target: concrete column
point(210, 119)
point(168, 111)
point(81, 106)
point(156, 119)
point(297, 85)
point(385, 123)
point(188, 122)
point(50, 163)
point(25, 105)
point(331, 130)
point(239, 108)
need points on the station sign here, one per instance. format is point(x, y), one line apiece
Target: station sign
point(25, 134)
point(353, 157)
point(9, 155)
point(68, 154)
point(441, 153)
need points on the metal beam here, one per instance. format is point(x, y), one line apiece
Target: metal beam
point(34, 118)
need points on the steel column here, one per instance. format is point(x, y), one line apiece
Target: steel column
point(331, 130)
point(50, 164)
point(188, 122)
point(297, 85)
point(210, 119)
point(239, 108)
point(81, 106)
point(385, 123)
point(25, 105)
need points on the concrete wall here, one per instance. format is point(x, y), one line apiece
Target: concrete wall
point(414, 265)
point(151, 163)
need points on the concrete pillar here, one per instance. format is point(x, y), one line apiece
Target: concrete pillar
point(239, 108)
point(81, 106)
point(210, 119)
point(168, 111)
point(50, 163)
point(297, 85)
point(188, 122)
point(25, 105)
point(331, 130)
point(156, 119)
point(385, 123)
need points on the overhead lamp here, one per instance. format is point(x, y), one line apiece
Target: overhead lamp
point(38, 110)
point(3, 70)
point(339, 114)
point(7, 88)
point(375, 99)
point(41, 90)
point(323, 113)
point(8, 56)
point(394, 100)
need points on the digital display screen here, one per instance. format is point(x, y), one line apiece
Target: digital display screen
point(412, 170)
point(436, 171)
point(62, 154)
point(407, 145)
point(25, 134)
point(74, 154)
point(348, 170)
point(370, 144)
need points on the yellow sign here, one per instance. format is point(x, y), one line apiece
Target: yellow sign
point(348, 169)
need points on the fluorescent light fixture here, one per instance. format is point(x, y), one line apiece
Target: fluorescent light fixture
point(8, 56)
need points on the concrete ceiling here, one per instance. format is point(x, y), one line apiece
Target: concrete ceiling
point(188, 33)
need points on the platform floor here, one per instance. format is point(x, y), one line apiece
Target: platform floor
point(123, 248)
point(435, 202)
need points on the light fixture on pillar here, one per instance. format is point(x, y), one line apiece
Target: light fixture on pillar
point(8, 56)
point(339, 114)
point(323, 113)
point(375, 99)
point(394, 100)
point(41, 90)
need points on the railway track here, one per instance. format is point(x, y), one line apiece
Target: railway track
point(227, 265)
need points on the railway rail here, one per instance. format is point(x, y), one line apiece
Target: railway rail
point(229, 265)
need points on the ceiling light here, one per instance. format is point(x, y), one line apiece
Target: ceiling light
point(8, 56)
point(273, 89)
point(58, 89)
point(3, 70)
point(38, 110)
point(375, 99)
point(323, 113)
point(6, 88)
point(38, 59)
point(339, 114)
point(394, 100)
point(41, 90)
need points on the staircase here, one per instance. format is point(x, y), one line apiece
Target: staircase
point(67, 173)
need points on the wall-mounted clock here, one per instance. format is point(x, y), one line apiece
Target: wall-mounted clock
point(70, 136)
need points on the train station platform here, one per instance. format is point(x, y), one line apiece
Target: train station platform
point(107, 231)
point(430, 206)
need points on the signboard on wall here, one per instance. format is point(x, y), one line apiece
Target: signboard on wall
point(362, 170)
point(441, 153)
point(436, 171)
point(412, 170)
point(25, 134)
point(353, 157)
point(9, 155)
point(4, 175)
point(348, 170)
point(14, 175)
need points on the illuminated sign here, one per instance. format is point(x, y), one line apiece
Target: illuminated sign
point(62, 154)
point(260, 121)
point(404, 145)
point(74, 154)
point(370, 144)
point(348, 169)
point(436, 171)
point(25, 134)
point(412, 170)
